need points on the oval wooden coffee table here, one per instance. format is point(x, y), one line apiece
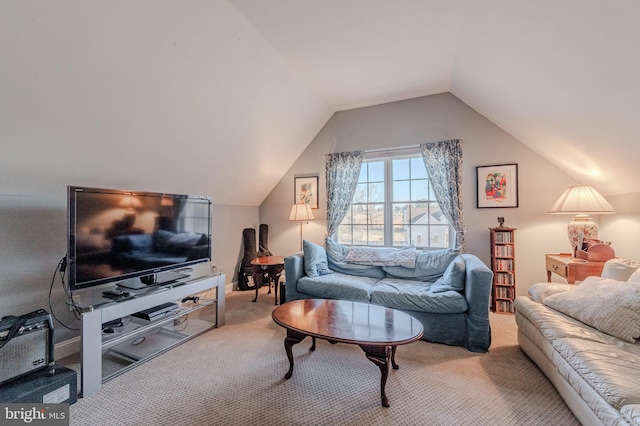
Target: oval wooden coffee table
point(376, 329)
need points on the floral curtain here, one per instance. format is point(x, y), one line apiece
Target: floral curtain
point(443, 161)
point(343, 169)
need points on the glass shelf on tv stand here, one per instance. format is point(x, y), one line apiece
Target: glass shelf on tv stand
point(93, 297)
point(138, 340)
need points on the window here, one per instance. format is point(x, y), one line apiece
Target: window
point(394, 205)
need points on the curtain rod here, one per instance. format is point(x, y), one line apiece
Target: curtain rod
point(400, 148)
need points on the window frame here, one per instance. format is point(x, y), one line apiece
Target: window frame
point(387, 157)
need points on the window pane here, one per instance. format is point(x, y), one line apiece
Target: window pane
point(344, 234)
point(360, 196)
point(360, 214)
point(400, 213)
point(376, 192)
point(376, 235)
point(419, 190)
point(376, 214)
point(401, 169)
point(376, 171)
point(420, 213)
point(400, 235)
point(360, 234)
point(401, 190)
point(420, 235)
point(362, 177)
point(418, 170)
point(440, 236)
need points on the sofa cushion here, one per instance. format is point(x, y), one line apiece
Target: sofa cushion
point(337, 255)
point(635, 277)
point(619, 269)
point(338, 286)
point(631, 413)
point(315, 260)
point(416, 296)
point(610, 306)
point(539, 291)
point(610, 369)
point(453, 277)
point(430, 265)
point(382, 256)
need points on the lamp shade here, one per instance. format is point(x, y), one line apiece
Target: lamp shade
point(301, 212)
point(581, 199)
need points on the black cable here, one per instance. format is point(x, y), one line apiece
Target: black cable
point(60, 267)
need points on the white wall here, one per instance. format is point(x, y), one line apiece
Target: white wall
point(623, 227)
point(430, 119)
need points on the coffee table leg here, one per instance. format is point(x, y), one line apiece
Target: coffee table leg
point(380, 356)
point(293, 337)
point(393, 358)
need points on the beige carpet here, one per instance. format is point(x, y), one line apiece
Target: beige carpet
point(234, 376)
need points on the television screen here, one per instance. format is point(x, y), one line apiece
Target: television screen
point(122, 236)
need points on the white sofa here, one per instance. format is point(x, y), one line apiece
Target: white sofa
point(584, 339)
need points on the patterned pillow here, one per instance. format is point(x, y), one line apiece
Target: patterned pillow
point(337, 254)
point(610, 306)
point(382, 256)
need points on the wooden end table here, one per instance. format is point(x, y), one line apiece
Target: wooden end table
point(272, 266)
point(571, 268)
point(376, 329)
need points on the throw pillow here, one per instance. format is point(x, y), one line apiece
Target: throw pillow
point(337, 254)
point(315, 260)
point(430, 265)
point(619, 269)
point(635, 277)
point(540, 291)
point(453, 277)
point(382, 256)
point(610, 306)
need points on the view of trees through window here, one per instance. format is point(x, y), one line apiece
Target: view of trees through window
point(394, 205)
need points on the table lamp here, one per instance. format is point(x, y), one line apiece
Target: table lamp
point(301, 212)
point(581, 200)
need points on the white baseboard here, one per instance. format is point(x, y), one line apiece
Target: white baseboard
point(66, 348)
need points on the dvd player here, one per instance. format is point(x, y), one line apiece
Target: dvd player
point(158, 312)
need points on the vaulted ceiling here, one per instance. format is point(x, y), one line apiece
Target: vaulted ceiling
point(222, 96)
point(561, 76)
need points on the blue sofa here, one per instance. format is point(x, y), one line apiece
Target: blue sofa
point(448, 292)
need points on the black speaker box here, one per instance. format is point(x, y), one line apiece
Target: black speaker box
point(51, 385)
point(26, 344)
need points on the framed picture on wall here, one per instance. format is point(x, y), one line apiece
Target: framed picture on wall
point(306, 190)
point(497, 186)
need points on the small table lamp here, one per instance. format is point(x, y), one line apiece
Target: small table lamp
point(581, 200)
point(302, 213)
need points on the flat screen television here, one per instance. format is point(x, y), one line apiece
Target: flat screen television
point(134, 238)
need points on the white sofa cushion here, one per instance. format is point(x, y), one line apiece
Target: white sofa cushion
point(619, 269)
point(539, 291)
point(610, 306)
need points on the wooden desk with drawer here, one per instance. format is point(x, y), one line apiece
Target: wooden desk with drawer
point(571, 268)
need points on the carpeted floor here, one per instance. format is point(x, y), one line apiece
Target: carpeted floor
point(234, 375)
